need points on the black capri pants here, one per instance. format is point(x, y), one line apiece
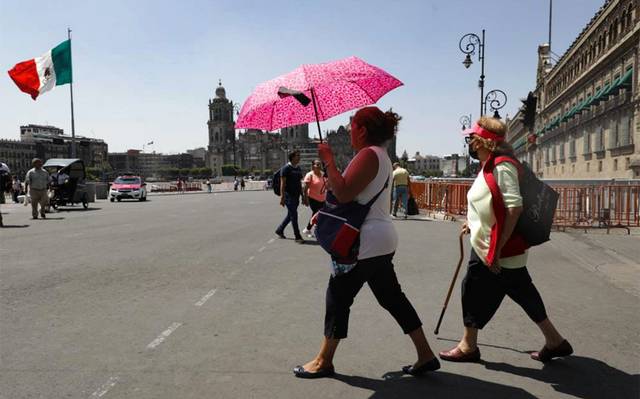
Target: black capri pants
point(483, 291)
point(379, 274)
point(315, 206)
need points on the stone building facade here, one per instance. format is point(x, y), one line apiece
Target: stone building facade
point(55, 144)
point(47, 142)
point(222, 137)
point(17, 155)
point(258, 151)
point(588, 111)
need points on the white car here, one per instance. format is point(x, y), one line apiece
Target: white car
point(128, 187)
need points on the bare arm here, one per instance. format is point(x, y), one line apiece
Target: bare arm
point(283, 181)
point(363, 169)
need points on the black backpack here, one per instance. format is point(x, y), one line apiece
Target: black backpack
point(5, 182)
point(275, 179)
point(539, 203)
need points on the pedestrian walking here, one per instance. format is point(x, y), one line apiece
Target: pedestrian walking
point(242, 183)
point(401, 184)
point(368, 175)
point(208, 183)
point(290, 193)
point(497, 264)
point(5, 184)
point(179, 185)
point(236, 183)
point(36, 183)
point(315, 189)
point(16, 189)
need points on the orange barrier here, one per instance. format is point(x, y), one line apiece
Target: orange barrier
point(603, 206)
point(173, 187)
point(582, 206)
point(447, 198)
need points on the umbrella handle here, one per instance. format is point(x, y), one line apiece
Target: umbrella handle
point(315, 109)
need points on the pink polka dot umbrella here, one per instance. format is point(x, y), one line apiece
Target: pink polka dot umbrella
point(314, 93)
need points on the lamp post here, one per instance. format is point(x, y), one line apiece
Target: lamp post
point(496, 99)
point(236, 109)
point(465, 121)
point(468, 45)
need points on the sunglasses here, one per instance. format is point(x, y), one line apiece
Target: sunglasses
point(468, 139)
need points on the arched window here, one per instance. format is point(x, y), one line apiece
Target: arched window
point(623, 21)
point(630, 15)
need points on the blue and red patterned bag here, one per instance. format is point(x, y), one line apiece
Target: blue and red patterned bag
point(338, 230)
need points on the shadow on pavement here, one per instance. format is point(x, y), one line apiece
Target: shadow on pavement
point(50, 218)
point(434, 385)
point(77, 209)
point(14, 226)
point(578, 376)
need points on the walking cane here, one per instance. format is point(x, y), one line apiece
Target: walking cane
point(453, 283)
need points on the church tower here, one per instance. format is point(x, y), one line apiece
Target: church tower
point(221, 126)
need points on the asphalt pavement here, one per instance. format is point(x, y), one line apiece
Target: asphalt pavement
point(193, 296)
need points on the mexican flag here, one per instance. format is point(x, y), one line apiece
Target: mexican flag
point(41, 74)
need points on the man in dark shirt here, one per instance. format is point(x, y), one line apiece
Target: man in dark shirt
point(290, 192)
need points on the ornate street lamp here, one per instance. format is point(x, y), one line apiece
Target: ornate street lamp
point(496, 99)
point(468, 45)
point(465, 121)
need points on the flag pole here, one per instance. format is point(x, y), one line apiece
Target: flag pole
point(73, 127)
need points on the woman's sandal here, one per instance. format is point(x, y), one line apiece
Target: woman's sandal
point(546, 354)
point(431, 365)
point(300, 372)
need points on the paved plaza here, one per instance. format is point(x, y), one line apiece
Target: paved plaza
point(192, 296)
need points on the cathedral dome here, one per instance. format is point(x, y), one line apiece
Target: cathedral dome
point(220, 91)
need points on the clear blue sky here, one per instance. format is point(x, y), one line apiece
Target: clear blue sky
point(144, 70)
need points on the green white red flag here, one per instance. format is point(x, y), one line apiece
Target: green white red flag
point(41, 74)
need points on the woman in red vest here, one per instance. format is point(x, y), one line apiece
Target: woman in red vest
point(498, 257)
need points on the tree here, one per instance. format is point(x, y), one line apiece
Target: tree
point(229, 170)
point(405, 159)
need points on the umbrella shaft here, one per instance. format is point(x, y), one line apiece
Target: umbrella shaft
point(315, 109)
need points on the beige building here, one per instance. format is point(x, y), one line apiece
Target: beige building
point(588, 111)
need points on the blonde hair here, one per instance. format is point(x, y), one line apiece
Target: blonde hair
point(498, 127)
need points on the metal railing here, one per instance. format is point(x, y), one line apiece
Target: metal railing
point(603, 205)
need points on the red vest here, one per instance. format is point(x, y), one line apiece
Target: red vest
point(516, 245)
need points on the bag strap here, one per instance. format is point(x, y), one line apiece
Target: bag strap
point(514, 162)
point(375, 197)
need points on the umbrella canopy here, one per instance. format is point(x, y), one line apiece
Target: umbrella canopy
point(335, 87)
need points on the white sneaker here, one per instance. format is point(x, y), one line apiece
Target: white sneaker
point(306, 231)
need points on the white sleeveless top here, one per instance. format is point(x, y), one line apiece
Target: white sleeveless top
point(377, 235)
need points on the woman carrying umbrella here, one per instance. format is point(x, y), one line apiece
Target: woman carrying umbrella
point(498, 258)
point(363, 179)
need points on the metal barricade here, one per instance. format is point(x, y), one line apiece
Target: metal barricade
point(582, 206)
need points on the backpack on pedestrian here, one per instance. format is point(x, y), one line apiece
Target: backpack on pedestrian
point(275, 185)
point(539, 203)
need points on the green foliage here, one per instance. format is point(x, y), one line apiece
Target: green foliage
point(229, 170)
point(432, 173)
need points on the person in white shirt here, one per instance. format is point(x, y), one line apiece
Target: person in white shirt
point(363, 179)
point(498, 256)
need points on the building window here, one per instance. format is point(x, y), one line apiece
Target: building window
point(599, 144)
point(572, 148)
point(627, 162)
point(615, 164)
point(586, 143)
point(587, 166)
point(573, 168)
point(599, 166)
